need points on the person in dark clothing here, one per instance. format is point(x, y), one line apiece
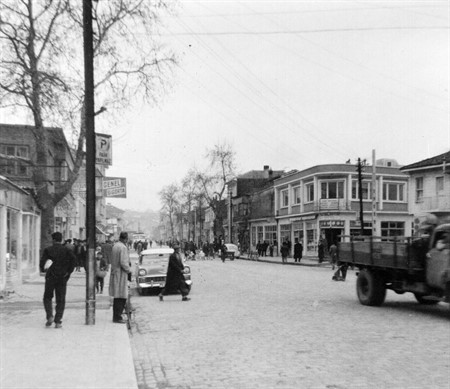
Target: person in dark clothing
point(56, 277)
point(284, 252)
point(321, 251)
point(175, 280)
point(102, 269)
point(298, 251)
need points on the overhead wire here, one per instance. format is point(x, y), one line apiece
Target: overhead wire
point(311, 134)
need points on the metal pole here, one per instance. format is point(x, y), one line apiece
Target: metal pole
point(374, 193)
point(89, 113)
point(361, 213)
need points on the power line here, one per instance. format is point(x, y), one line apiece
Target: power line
point(317, 31)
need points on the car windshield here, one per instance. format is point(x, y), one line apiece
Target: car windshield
point(231, 247)
point(151, 259)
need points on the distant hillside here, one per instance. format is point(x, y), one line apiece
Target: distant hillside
point(144, 222)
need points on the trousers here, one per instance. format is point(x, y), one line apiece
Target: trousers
point(57, 286)
point(118, 307)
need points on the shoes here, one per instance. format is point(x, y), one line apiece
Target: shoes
point(49, 321)
point(161, 298)
point(185, 299)
point(58, 325)
point(120, 321)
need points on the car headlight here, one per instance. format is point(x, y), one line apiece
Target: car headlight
point(142, 272)
point(187, 269)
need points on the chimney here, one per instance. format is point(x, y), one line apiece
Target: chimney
point(266, 171)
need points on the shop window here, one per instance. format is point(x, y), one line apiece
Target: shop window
point(270, 234)
point(392, 228)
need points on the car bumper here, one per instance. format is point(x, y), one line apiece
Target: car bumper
point(155, 284)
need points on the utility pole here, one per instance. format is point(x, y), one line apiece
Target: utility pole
point(89, 113)
point(230, 210)
point(374, 193)
point(361, 211)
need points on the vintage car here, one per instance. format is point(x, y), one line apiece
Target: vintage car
point(151, 269)
point(232, 251)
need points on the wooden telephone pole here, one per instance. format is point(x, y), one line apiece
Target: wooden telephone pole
point(89, 113)
point(361, 210)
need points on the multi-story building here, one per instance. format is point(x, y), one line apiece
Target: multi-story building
point(322, 202)
point(429, 187)
point(250, 207)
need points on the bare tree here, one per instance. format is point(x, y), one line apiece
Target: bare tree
point(190, 192)
point(41, 72)
point(213, 181)
point(170, 201)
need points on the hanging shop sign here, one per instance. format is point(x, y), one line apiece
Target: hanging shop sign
point(114, 187)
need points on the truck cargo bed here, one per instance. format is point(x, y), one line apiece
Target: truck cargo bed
point(374, 251)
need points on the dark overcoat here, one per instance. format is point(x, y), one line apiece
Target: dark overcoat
point(298, 250)
point(175, 280)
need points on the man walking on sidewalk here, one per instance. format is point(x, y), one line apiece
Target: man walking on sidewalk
point(120, 271)
point(56, 277)
point(298, 250)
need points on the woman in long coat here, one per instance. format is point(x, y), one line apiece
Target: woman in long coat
point(118, 282)
point(175, 280)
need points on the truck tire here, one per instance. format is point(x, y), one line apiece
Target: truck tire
point(370, 288)
point(421, 300)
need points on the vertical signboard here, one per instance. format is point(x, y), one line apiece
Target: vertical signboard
point(103, 149)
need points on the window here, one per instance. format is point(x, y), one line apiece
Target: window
point(419, 189)
point(332, 190)
point(260, 233)
point(393, 192)
point(11, 166)
point(296, 195)
point(439, 184)
point(366, 190)
point(310, 192)
point(243, 209)
point(284, 198)
point(392, 228)
point(270, 233)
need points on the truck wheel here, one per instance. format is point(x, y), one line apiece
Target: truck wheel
point(370, 288)
point(421, 300)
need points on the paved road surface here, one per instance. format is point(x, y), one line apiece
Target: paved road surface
point(260, 325)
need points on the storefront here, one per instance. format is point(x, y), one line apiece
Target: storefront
point(19, 236)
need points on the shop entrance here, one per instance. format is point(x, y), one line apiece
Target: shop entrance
point(332, 235)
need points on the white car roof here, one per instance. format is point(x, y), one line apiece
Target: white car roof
point(157, 251)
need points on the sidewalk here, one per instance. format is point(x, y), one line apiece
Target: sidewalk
point(75, 356)
point(307, 260)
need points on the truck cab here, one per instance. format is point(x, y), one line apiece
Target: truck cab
point(438, 258)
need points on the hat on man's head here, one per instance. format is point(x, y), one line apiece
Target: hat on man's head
point(176, 246)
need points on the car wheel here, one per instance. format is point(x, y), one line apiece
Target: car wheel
point(370, 288)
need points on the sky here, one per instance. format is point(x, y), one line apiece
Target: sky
point(290, 84)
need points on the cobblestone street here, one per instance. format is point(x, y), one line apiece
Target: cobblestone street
point(261, 325)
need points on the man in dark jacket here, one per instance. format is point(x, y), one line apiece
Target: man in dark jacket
point(175, 280)
point(298, 251)
point(56, 277)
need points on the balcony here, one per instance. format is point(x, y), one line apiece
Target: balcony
point(434, 203)
point(332, 205)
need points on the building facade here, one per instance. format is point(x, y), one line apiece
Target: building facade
point(322, 202)
point(429, 187)
point(19, 235)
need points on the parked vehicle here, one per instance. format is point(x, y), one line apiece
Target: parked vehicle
point(420, 266)
point(232, 251)
point(151, 269)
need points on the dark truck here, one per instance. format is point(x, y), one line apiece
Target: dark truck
point(420, 266)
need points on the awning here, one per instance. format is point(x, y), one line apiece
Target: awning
point(100, 231)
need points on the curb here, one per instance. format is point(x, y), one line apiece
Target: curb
point(324, 264)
